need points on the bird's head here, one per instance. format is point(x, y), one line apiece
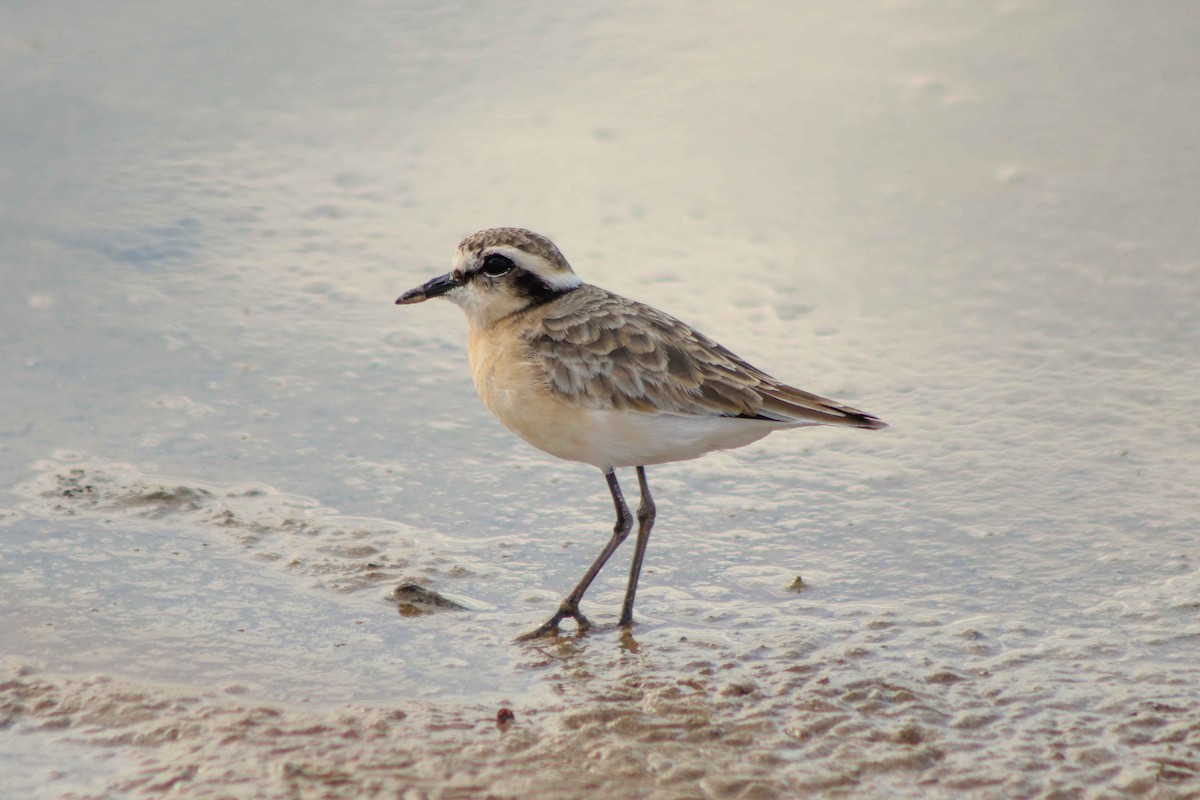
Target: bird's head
point(498, 272)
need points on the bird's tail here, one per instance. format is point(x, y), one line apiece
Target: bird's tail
point(789, 404)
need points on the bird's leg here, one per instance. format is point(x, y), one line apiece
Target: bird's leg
point(570, 604)
point(645, 515)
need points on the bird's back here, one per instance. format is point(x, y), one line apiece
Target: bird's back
point(599, 350)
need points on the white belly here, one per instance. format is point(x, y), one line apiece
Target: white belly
point(630, 439)
point(627, 438)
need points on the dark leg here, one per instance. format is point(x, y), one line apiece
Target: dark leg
point(645, 515)
point(570, 605)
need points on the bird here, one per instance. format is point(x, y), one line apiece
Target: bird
point(587, 375)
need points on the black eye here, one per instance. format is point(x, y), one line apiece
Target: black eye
point(496, 265)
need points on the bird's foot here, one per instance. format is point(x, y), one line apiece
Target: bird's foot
point(626, 620)
point(545, 629)
point(550, 626)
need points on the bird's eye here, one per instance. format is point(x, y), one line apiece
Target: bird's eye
point(496, 265)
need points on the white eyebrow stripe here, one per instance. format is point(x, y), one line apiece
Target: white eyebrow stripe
point(546, 272)
point(566, 280)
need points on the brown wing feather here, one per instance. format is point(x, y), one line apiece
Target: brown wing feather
point(599, 350)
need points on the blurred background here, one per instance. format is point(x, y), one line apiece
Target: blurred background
point(221, 444)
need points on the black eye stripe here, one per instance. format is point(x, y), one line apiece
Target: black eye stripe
point(495, 265)
point(536, 290)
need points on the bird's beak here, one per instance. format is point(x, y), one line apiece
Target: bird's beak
point(434, 287)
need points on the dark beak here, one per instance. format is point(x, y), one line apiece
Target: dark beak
point(431, 288)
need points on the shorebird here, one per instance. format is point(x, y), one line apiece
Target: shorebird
point(588, 375)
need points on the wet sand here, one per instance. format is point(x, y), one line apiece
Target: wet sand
point(873, 700)
point(620, 719)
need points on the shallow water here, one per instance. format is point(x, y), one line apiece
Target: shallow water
point(223, 446)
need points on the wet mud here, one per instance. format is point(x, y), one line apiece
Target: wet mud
point(883, 702)
point(675, 720)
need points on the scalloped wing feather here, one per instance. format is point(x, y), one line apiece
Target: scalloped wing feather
point(599, 350)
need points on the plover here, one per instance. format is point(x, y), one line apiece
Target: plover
point(588, 375)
